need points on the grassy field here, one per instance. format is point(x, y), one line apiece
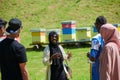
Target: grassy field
point(49, 14)
point(78, 64)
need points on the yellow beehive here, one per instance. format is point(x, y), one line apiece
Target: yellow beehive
point(58, 31)
point(118, 26)
point(83, 33)
point(38, 36)
point(68, 37)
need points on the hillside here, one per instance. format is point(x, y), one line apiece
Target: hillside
point(50, 13)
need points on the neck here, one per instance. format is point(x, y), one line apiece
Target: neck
point(10, 36)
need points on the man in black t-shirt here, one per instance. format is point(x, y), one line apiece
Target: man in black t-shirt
point(13, 54)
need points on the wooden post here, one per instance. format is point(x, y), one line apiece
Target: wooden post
point(90, 71)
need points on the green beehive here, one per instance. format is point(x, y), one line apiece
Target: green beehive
point(83, 33)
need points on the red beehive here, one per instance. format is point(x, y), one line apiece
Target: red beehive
point(68, 24)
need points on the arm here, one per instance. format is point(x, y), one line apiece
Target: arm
point(93, 55)
point(46, 56)
point(22, 59)
point(24, 71)
point(69, 55)
point(90, 57)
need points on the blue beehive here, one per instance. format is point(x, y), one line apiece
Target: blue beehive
point(68, 30)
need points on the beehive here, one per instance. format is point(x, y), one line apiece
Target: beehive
point(83, 33)
point(69, 30)
point(38, 36)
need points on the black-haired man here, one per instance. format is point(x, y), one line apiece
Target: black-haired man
point(96, 47)
point(13, 54)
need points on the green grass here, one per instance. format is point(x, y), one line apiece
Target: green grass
point(49, 14)
point(78, 64)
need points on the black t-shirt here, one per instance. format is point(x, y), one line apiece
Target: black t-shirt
point(12, 54)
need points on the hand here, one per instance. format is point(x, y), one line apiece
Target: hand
point(54, 56)
point(91, 58)
point(69, 55)
point(88, 54)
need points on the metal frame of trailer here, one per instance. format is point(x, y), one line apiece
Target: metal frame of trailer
point(77, 43)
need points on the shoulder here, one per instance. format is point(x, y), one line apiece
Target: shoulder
point(97, 37)
point(46, 48)
point(17, 44)
point(111, 45)
point(60, 46)
point(95, 41)
point(111, 48)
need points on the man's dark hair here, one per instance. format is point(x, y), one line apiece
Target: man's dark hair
point(101, 20)
point(2, 23)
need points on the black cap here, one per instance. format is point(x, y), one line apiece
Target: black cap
point(14, 25)
point(2, 22)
